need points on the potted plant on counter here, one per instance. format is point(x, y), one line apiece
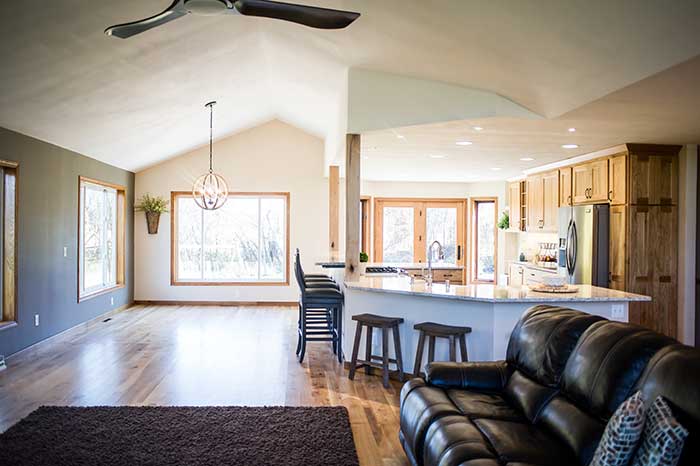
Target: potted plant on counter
point(504, 221)
point(364, 258)
point(153, 206)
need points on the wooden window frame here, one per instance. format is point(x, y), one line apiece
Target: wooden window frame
point(419, 226)
point(120, 241)
point(473, 238)
point(174, 195)
point(366, 212)
point(9, 238)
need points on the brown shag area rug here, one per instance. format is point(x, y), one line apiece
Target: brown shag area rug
point(211, 436)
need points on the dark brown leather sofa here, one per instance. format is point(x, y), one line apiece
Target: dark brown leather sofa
point(547, 404)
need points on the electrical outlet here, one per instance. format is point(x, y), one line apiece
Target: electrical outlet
point(618, 311)
point(65, 251)
point(36, 320)
point(3, 366)
point(111, 300)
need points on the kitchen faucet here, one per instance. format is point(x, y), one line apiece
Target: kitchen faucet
point(441, 256)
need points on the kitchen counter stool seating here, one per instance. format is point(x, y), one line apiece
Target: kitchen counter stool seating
point(320, 314)
point(386, 324)
point(432, 330)
point(316, 280)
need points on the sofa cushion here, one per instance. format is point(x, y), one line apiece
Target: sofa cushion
point(529, 396)
point(524, 442)
point(543, 339)
point(607, 363)
point(674, 373)
point(452, 440)
point(573, 427)
point(477, 405)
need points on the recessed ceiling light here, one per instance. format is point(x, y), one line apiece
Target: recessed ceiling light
point(527, 159)
point(437, 156)
point(401, 136)
point(477, 128)
point(495, 169)
point(464, 143)
point(572, 130)
point(365, 157)
point(569, 146)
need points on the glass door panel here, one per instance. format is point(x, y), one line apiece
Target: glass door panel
point(397, 234)
point(485, 241)
point(441, 225)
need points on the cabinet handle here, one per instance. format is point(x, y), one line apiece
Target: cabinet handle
point(610, 195)
point(568, 200)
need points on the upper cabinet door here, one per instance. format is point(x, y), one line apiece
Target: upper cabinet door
point(514, 205)
point(598, 191)
point(550, 197)
point(535, 203)
point(653, 179)
point(581, 181)
point(565, 187)
point(617, 178)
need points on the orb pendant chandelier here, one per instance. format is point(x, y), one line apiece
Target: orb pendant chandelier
point(210, 191)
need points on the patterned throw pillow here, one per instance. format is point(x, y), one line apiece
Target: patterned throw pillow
point(663, 438)
point(622, 434)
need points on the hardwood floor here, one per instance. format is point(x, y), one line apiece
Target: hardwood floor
point(194, 356)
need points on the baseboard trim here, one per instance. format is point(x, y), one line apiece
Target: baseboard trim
point(218, 303)
point(81, 326)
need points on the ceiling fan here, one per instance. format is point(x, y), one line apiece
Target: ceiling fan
point(315, 17)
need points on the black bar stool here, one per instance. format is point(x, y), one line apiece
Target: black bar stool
point(320, 313)
point(433, 331)
point(372, 321)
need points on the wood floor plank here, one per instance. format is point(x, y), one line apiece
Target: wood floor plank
point(196, 356)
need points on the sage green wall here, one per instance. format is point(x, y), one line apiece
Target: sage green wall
point(47, 222)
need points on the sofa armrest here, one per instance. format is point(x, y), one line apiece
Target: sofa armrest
point(481, 376)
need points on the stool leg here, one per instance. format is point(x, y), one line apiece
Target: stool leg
point(397, 350)
point(299, 332)
point(303, 334)
point(355, 349)
point(419, 354)
point(463, 348)
point(368, 350)
point(453, 349)
point(431, 348)
point(331, 328)
point(385, 357)
point(339, 332)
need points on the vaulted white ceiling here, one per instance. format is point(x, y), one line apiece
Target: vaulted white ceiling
point(135, 102)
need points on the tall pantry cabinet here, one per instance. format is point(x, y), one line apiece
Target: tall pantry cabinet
point(643, 193)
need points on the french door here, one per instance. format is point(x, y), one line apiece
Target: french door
point(405, 228)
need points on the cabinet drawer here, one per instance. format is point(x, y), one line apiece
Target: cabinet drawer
point(454, 276)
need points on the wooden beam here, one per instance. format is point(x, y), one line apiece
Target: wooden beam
point(352, 207)
point(334, 209)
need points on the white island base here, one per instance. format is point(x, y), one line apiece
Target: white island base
point(491, 312)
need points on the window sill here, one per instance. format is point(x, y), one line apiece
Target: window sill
point(95, 294)
point(8, 324)
point(183, 283)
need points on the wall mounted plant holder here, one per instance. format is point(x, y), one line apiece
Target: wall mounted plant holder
point(152, 220)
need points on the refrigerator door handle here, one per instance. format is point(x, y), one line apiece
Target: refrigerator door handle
point(571, 247)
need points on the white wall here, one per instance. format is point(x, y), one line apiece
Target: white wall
point(271, 157)
point(687, 231)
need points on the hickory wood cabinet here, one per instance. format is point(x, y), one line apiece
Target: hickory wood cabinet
point(589, 182)
point(565, 187)
point(543, 201)
point(514, 205)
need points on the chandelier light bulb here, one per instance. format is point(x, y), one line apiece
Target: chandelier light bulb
point(210, 191)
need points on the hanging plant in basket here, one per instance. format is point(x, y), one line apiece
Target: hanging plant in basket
point(153, 206)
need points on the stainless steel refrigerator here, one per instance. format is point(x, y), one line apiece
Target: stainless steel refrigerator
point(584, 243)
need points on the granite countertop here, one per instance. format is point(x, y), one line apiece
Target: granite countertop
point(489, 292)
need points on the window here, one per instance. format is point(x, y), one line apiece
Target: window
point(101, 238)
point(246, 241)
point(8, 245)
point(404, 229)
point(483, 235)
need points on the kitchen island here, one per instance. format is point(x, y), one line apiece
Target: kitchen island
point(490, 311)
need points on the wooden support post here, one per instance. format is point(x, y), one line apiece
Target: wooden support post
point(333, 209)
point(352, 207)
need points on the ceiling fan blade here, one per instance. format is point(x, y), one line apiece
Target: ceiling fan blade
point(126, 30)
point(315, 17)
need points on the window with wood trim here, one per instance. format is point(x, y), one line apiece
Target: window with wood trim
point(101, 238)
point(8, 240)
point(483, 236)
point(244, 242)
point(405, 228)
